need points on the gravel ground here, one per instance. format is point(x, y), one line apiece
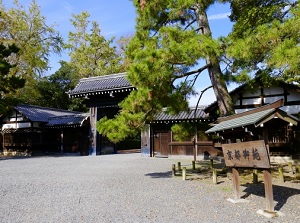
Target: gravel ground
point(128, 188)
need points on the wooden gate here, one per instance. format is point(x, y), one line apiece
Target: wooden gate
point(161, 143)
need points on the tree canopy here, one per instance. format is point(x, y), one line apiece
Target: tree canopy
point(173, 39)
point(264, 41)
point(52, 90)
point(172, 46)
point(28, 30)
point(90, 53)
point(8, 84)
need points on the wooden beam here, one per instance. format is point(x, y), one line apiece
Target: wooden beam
point(276, 104)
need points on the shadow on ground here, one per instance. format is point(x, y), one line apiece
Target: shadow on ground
point(280, 193)
point(167, 174)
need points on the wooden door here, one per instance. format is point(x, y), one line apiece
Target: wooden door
point(161, 143)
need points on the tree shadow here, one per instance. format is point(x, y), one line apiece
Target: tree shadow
point(280, 193)
point(167, 174)
point(50, 155)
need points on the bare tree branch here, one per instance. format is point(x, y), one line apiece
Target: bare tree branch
point(188, 25)
point(202, 92)
point(193, 72)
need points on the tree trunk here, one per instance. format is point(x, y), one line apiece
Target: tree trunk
point(220, 89)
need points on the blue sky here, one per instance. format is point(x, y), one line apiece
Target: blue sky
point(117, 18)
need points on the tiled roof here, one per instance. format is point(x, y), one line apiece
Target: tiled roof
point(51, 115)
point(181, 116)
point(67, 120)
point(101, 83)
point(242, 121)
point(254, 118)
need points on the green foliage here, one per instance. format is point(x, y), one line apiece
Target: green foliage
point(130, 143)
point(172, 37)
point(248, 15)
point(265, 40)
point(52, 90)
point(183, 131)
point(91, 54)
point(8, 83)
point(27, 29)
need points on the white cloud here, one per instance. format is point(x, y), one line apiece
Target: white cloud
point(219, 16)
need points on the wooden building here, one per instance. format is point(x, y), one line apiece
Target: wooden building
point(270, 123)
point(284, 138)
point(103, 94)
point(38, 130)
point(162, 141)
point(247, 97)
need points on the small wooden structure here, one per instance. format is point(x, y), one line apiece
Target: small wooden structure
point(237, 134)
point(163, 143)
point(36, 129)
point(103, 94)
point(284, 139)
point(267, 123)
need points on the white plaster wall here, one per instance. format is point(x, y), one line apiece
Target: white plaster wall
point(252, 101)
point(291, 109)
point(269, 100)
point(294, 96)
point(273, 90)
point(252, 93)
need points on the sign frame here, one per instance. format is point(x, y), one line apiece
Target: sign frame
point(250, 154)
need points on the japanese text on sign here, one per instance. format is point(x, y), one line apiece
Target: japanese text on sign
point(246, 154)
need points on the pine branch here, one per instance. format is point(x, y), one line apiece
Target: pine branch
point(192, 72)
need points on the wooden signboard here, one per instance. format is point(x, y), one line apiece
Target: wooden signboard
point(252, 154)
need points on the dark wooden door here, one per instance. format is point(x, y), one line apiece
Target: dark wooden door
point(161, 143)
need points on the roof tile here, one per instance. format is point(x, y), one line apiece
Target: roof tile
point(101, 83)
point(51, 116)
point(183, 115)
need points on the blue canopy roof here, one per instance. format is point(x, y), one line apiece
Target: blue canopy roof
point(51, 116)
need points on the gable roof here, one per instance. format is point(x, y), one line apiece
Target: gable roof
point(107, 84)
point(51, 116)
point(254, 117)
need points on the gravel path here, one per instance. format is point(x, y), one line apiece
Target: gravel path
point(127, 188)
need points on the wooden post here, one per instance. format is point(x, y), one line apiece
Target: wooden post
point(184, 173)
point(281, 175)
point(93, 132)
point(179, 166)
point(194, 148)
point(194, 164)
point(290, 164)
point(61, 141)
point(211, 165)
point(298, 172)
point(215, 180)
point(236, 183)
point(255, 176)
point(268, 190)
point(173, 170)
point(268, 176)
